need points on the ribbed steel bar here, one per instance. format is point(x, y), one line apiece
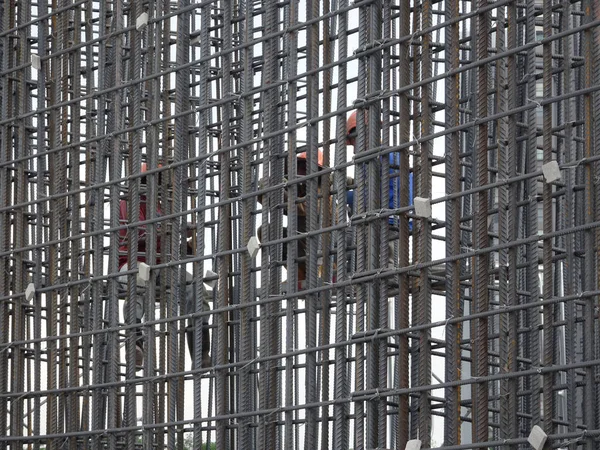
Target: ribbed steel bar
point(453, 303)
point(422, 227)
point(510, 228)
point(341, 388)
point(224, 263)
point(18, 144)
point(480, 236)
point(99, 341)
point(530, 223)
point(290, 65)
point(114, 111)
point(150, 37)
point(548, 357)
point(247, 353)
point(178, 230)
point(324, 262)
point(57, 181)
point(313, 104)
point(63, 41)
point(415, 106)
point(590, 259)
point(40, 209)
point(5, 184)
point(505, 164)
point(367, 249)
point(377, 169)
point(133, 71)
point(402, 318)
point(274, 172)
point(595, 67)
point(76, 255)
point(203, 97)
point(567, 220)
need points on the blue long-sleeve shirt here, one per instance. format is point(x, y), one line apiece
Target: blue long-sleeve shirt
point(394, 186)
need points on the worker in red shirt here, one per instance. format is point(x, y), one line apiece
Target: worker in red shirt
point(190, 298)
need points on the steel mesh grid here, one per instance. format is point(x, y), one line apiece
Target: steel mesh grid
point(491, 326)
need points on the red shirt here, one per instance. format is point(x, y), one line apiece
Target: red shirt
point(142, 232)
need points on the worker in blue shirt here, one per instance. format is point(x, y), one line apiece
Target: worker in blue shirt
point(394, 183)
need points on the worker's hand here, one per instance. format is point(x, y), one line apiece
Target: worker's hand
point(301, 206)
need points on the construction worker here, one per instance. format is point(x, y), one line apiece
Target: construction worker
point(393, 201)
point(190, 298)
point(302, 207)
point(301, 212)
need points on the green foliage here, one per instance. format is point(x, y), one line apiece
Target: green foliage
point(188, 443)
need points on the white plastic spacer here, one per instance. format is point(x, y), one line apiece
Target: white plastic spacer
point(551, 172)
point(36, 62)
point(537, 438)
point(195, 40)
point(143, 274)
point(413, 444)
point(422, 207)
point(29, 292)
point(141, 21)
point(212, 282)
point(253, 246)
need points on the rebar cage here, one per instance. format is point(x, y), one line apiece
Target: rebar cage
point(435, 284)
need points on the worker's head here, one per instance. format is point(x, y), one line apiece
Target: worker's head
point(351, 129)
point(302, 169)
point(302, 162)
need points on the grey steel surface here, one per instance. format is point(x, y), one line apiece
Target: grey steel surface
point(485, 325)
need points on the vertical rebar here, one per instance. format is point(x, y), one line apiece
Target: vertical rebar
point(225, 230)
point(403, 303)
point(549, 348)
point(480, 237)
point(453, 300)
point(590, 259)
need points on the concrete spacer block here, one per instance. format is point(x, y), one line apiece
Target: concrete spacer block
point(210, 278)
point(413, 444)
point(141, 21)
point(36, 62)
point(143, 274)
point(29, 292)
point(422, 207)
point(253, 246)
point(537, 438)
point(551, 172)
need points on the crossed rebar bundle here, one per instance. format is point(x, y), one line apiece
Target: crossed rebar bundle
point(435, 284)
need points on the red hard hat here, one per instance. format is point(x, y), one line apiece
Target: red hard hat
point(319, 156)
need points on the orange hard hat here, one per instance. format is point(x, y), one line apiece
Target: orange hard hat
point(351, 128)
point(319, 156)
